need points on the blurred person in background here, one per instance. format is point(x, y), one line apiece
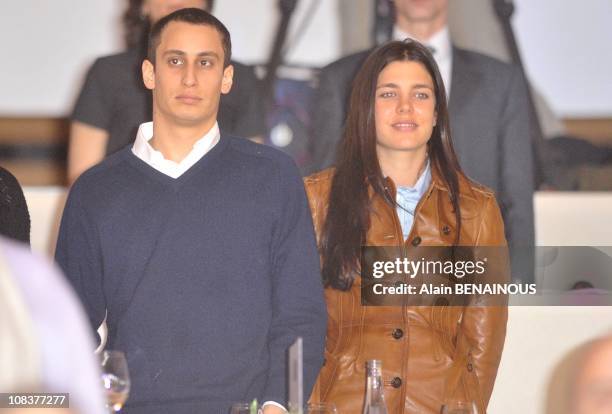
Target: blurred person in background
point(490, 119)
point(114, 102)
point(397, 182)
point(45, 343)
point(14, 215)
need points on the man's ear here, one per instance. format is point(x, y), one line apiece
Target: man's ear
point(228, 79)
point(148, 74)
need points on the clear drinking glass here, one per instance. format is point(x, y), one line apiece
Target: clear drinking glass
point(459, 407)
point(321, 408)
point(115, 379)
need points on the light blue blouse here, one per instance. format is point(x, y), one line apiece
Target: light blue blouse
point(407, 199)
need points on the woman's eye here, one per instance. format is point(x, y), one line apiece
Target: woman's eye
point(387, 94)
point(422, 95)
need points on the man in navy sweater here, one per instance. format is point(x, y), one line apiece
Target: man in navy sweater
point(197, 246)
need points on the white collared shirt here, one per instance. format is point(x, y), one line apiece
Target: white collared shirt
point(443, 51)
point(143, 150)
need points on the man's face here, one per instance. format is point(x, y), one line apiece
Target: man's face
point(416, 11)
point(188, 77)
point(156, 9)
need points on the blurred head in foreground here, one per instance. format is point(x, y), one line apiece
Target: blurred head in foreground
point(592, 386)
point(45, 342)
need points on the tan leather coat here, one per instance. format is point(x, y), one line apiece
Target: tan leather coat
point(428, 353)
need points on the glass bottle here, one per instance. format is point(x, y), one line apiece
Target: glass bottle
point(375, 398)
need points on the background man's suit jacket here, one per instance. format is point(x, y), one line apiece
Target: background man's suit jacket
point(490, 129)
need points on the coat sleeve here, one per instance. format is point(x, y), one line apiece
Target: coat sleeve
point(78, 253)
point(517, 177)
point(483, 325)
point(298, 305)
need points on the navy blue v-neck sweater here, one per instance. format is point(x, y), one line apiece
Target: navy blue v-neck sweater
point(207, 278)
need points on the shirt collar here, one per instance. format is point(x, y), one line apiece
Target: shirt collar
point(422, 184)
point(440, 41)
point(143, 150)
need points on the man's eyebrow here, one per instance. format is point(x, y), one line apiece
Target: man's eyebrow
point(209, 53)
point(183, 53)
point(174, 52)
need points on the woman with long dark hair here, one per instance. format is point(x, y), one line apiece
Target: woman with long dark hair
point(397, 182)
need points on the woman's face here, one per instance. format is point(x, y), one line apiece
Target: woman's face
point(404, 108)
point(156, 9)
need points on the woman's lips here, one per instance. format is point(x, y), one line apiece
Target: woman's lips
point(405, 125)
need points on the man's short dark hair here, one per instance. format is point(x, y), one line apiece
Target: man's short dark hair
point(193, 16)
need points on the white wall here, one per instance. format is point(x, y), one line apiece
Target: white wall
point(48, 44)
point(566, 45)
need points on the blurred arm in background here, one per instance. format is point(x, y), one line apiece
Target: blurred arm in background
point(86, 148)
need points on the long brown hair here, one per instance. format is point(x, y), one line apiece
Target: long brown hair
point(347, 220)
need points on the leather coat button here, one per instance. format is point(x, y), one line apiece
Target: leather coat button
point(416, 241)
point(446, 230)
point(470, 367)
point(396, 382)
point(397, 333)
